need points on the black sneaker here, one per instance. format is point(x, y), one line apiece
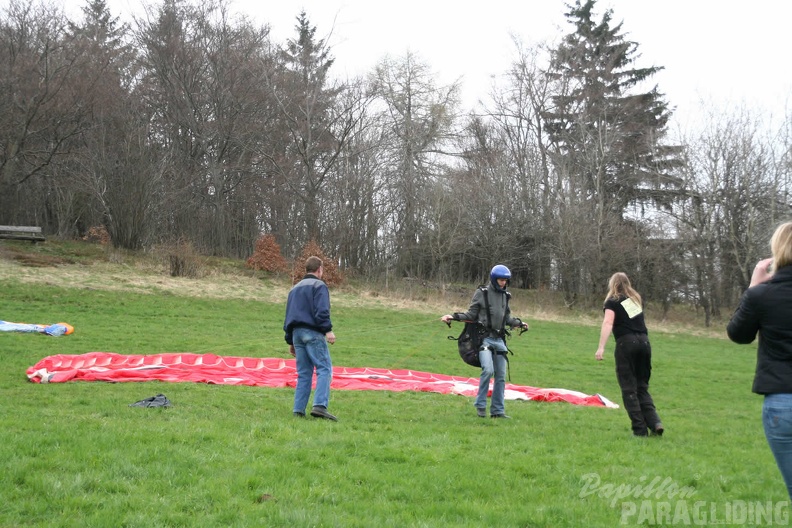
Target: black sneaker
point(500, 416)
point(658, 429)
point(321, 412)
point(482, 413)
point(299, 414)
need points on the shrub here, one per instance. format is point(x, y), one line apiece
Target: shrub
point(97, 234)
point(183, 259)
point(267, 256)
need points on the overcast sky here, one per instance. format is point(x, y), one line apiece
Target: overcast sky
point(725, 53)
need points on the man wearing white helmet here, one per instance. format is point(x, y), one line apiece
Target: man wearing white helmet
point(492, 353)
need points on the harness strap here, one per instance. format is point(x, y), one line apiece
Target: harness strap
point(486, 306)
point(502, 327)
point(505, 311)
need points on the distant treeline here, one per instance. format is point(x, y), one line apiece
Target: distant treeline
point(191, 124)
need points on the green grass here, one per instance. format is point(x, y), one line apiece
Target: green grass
point(76, 454)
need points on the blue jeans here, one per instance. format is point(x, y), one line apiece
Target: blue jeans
point(492, 364)
point(311, 352)
point(777, 421)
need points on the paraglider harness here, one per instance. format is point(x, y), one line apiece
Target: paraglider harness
point(472, 336)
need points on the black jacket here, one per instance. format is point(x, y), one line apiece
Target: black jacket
point(766, 309)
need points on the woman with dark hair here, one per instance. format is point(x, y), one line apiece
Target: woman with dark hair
point(625, 319)
point(766, 310)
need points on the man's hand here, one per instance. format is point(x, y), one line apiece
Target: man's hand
point(330, 336)
point(291, 350)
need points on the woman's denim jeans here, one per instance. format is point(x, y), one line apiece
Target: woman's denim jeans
point(777, 421)
point(492, 364)
point(310, 350)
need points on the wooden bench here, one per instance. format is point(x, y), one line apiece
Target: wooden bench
point(32, 233)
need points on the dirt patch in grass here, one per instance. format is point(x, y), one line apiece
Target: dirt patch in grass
point(40, 261)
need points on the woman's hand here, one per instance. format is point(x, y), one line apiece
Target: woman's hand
point(761, 272)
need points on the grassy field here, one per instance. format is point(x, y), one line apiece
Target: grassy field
point(76, 454)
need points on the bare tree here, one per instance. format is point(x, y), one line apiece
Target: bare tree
point(732, 189)
point(516, 117)
point(44, 94)
point(497, 212)
point(316, 124)
point(116, 165)
point(353, 209)
point(418, 119)
point(202, 79)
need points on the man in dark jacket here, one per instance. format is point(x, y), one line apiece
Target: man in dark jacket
point(308, 330)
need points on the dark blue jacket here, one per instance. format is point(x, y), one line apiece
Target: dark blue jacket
point(766, 310)
point(308, 306)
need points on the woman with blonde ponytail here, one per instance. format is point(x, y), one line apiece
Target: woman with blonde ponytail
point(633, 354)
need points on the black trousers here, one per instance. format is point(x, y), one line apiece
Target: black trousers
point(633, 369)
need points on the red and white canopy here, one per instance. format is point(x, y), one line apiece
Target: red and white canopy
point(272, 372)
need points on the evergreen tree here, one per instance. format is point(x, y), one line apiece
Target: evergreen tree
point(606, 148)
point(314, 133)
point(606, 134)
